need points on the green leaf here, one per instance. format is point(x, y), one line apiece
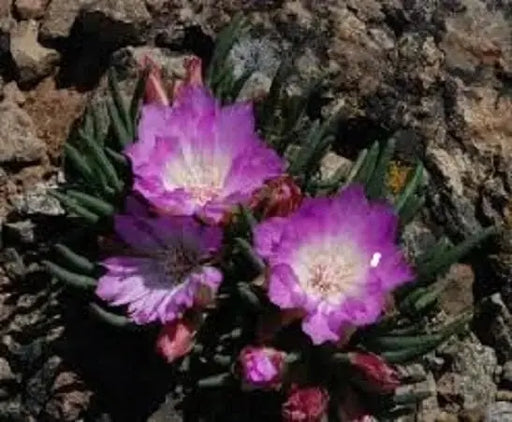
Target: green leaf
point(376, 187)
point(215, 381)
point(412, 206)
point(103, 162)
point(407, 354)
point(112, 319)
point(225, 41)
point(238, 84)
point(75, 208)
point(410, 188)
point(119, 159)
point(250, 254)
point(269, 107)
point(75, 261)
point(368, 165)
point(118, 100)
point(249, 296)
point(96, 205)
point(77, 281)
point(248, 218)
point(121, 131)
point(356, 168)
point(138, 95)
point(79, 163)
point(434, 267)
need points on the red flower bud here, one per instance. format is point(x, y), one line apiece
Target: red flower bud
point(262, 367)
point(156, 91)
point(278, 198)
point(374, 372)
point(193, 75)
point(306, 405)
point(175, 339)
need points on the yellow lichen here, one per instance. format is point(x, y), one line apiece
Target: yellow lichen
point(397, 176)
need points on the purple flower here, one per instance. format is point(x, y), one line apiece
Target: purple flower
point(197, 157)
point(168, 271)
point(262, 367)
point(335, 259)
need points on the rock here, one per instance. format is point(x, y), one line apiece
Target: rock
point(19, 141)
point(20, 232)
point(333, 164)
point(499, 412)
point(476, 37)
point(54, 110)
point(60, 18)
point(33, 61)
point(429, 408)
point(31, 9)
point(116, 22)
point(37, 202)
point(498, 328)
point(458, 295)
point(6, 374)
point(417, 239)
point(446, 417)
point(469, 382)
point(156, 6)
point(70, 398)
point(506, 375)
point(12, 93)
point(5, 8)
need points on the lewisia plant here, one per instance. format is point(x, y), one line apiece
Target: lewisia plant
point(248, 271)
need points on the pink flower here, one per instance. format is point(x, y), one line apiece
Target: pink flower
point(200, 158)
point(336, 260)
point(306, 405)
point(374, 372)
point(167, 269)
point(175, 339)
point(262, 367)
point(278, 198)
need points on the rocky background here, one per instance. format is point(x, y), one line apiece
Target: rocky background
point(434, 74)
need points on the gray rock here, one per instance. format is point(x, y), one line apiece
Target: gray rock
point(12, 93)
point(470, 381)
point(5, 8)
point(21, 231)
point(6, 374)
point(116, 22)
point(506, 375)
point(37, 201)
point(33, 61)
point(334, 164)
point(60, 18)
point(20, 143)
point(429, 408)
point(31, 9)
point(499, 412)
point(500, 327)
point(13, 263)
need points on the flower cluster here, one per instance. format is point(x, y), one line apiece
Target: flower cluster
point(331, 262)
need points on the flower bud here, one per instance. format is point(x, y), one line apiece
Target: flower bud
point(175, 339)
point(155, 91)
point(306, 405)
point(278, 198)
point(262, 367)
point(193, 75)
point(374, 372)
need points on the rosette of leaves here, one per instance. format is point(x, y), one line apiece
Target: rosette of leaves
point(99, 178)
